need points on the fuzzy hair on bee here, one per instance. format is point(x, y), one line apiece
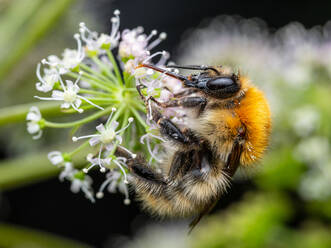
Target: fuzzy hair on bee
point(229, 126)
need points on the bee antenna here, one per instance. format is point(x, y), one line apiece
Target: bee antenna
point(195, 67)
point(166, 72)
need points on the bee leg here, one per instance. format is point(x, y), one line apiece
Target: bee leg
point(185, 93)
point(187, 102)
point(170, 130)
point(139, 168)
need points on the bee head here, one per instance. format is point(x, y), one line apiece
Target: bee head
point(220, 86)
point(212, 82)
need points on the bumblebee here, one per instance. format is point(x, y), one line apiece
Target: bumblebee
point(230, 128)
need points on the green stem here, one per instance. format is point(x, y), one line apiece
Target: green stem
point(95, 73)
point(94, 92)
point(18, 113)
point(30, 168)
point(103, 99)
point(92, 80)
point(113, 61)
point(138, 117)
point(79, 148)
point(105, 69)
point(79, 122)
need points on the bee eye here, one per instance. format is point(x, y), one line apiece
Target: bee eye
point(220, 83)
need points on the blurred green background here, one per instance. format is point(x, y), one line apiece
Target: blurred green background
point(284, 201)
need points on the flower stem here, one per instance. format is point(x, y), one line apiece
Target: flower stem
point(79, 148)
point(79, 122)
point(95, 73)
point(105, 69)
point(94, 92)
point(113, 61)
point(18, 113)
point(92, 80)
point(139, 118)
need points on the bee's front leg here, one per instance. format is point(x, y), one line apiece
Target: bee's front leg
point(186, 102)
point(171, 131)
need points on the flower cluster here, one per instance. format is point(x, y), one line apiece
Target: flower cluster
point(92, 80)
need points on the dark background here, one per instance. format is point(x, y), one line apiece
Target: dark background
point(50, 206)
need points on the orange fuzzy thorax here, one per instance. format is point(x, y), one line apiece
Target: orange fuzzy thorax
point(254, 113)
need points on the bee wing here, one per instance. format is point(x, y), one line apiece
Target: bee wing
point(233, 159)
point(230, 168)
point(197, 219)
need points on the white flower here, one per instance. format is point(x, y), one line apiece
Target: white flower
point(69, 95)
point(55, 157)
point(148, 137)
point(135, 44)
point(34, 122)
point(70, 58)
point(46, 84)
point(107, 136)
point(67, 172)
point(114, 180)
point(97, 161)
point(82, 182)
point(103, 42)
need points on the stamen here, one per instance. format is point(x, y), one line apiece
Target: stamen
point(45, 62)
point(86, 100)
point(74, 138)
point(48, 98)
point(132, 154)
point(110, 116)
point(122, 129)
point(38, 74)
point(122, 169)
point(76, 108)
point(152, 56)
point(102, 168)
point(153, 33)
point(156, 42)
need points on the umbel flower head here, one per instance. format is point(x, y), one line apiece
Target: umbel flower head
point(90, 79)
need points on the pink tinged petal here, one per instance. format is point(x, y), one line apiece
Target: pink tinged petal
point(33, 127)
point(123, 188)
point(43, 87)
point(57, 94)
point(119, 139)
point(65, 105)
point(78, 102)
point(109, 146)
point(94, 141)
point(112, 187)
point(75, 186)
point(32, 117)
point(55, 157)
point(39, 134)
point(34, 114)
point(70, 85)
point(113, 125)
point(76, 88)
point(101, 128)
